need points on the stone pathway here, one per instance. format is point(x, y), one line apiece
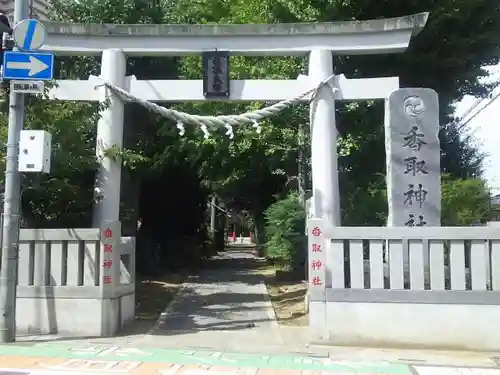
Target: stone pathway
point(227, 305)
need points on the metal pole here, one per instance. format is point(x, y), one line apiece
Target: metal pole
point(213, 202)
point(10, 243)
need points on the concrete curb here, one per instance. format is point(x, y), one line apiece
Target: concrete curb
point(163, 316)
point(273, 319)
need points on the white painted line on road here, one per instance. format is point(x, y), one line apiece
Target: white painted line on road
point(431, 370)
point(92, 366)
point(171, 371)
point(53, 372)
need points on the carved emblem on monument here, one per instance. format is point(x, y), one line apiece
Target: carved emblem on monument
point(414, 106)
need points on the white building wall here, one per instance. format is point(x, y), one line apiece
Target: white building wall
point(38, 8)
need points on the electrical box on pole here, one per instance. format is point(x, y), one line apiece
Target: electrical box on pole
point(34, 151)
point(216, 83)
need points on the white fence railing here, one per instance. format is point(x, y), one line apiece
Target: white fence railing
point(437, 258)
point(67, 282)
point(68, 257)
point(409, 275)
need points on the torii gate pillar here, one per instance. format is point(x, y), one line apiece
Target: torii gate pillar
point(109, 134)
point(325, 180)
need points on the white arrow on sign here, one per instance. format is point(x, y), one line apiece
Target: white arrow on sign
point(34, 66)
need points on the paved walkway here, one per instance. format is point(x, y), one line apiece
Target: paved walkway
point(226, 306)
point(100, 359)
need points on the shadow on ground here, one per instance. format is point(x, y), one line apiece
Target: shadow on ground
point(229, 294)
point(153, 296)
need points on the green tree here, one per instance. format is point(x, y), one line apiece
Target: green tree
point(464, 202)
point(254, 170)
point(285, 228)
point(448, 61)
point(64, 197)
point(153, 155)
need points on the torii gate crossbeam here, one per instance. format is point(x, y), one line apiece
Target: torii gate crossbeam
point(390, 35)
point(115, 42)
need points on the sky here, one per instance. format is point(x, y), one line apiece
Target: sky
point(485, 129)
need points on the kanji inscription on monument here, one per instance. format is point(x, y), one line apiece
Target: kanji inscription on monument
point(413, 158)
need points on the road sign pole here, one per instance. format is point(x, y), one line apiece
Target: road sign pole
point(10, 230)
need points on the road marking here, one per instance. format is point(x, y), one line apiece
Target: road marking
point(430, 370)
point(290, 362)
point(86, 365)
point(171, 371)
point(102, 351)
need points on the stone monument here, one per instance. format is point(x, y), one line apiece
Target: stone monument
point(413, 161)
point(413, 158)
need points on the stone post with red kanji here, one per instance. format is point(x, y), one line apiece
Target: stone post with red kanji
point(110, 254)
point(317, 243)
point(317, 258)
point(109, 277)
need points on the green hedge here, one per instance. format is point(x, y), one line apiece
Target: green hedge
point(286, 242)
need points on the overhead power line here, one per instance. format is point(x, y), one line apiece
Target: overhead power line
point(474, 106)
point(492, 100)
point(462, 122)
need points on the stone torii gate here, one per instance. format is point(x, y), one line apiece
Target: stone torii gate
point(320, 40)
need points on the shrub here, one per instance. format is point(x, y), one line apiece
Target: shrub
point(286, 241)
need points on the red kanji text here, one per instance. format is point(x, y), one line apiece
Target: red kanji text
point(316, 248)
point(316, 281)
point(316, 264)
point(108, 233)
point(108, 248)
point(316, 232)
point(107, 263)
point(108, 279)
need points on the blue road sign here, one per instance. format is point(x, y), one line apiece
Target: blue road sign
point(29, 34)
point(28, 65)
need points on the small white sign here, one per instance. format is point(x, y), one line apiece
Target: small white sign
point(27, 87)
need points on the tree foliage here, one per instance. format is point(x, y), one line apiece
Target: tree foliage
point(285, 229)
point(165, 173)
point(464, 202)
point(64, 197)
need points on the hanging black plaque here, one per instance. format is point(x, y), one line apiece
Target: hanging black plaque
point(216, 74)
